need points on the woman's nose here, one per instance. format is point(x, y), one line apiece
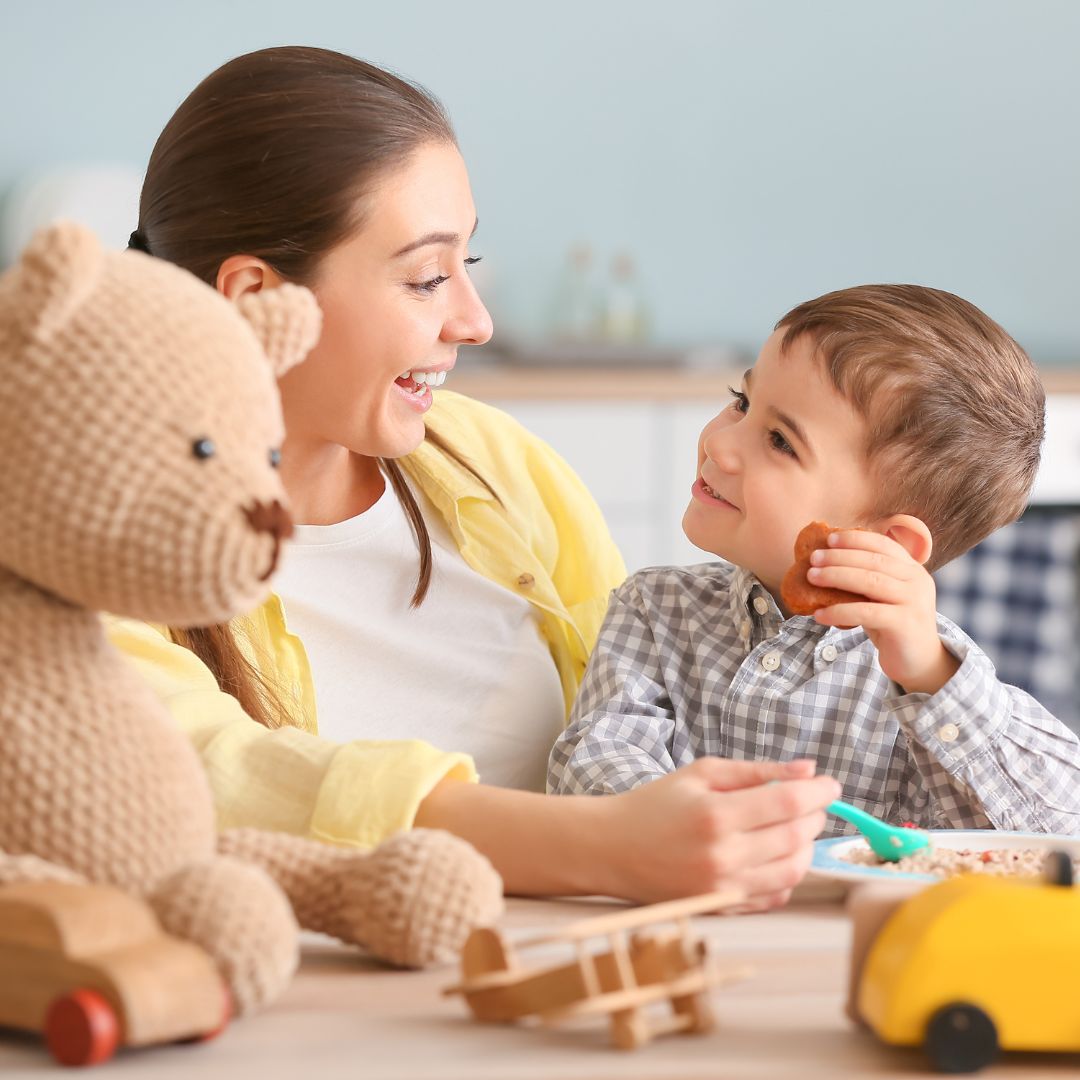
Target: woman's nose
point(469, 323)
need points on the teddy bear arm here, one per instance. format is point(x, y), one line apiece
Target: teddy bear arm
point(411, 901)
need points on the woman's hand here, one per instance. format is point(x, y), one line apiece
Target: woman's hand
point(715, 823)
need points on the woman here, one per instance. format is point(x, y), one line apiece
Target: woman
point(451, 572)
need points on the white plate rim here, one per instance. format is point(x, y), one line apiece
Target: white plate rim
point(829, 863)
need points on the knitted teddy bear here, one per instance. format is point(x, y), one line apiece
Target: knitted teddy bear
point(139, 426)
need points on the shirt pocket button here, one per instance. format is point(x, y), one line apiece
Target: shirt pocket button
point(770, 661)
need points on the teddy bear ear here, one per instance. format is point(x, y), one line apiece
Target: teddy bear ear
point(286, 320)
point(57, 271)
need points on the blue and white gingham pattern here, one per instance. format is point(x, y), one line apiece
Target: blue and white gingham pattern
point(1017, 594)
point(695, 661)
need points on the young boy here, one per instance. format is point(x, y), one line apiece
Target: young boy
point(908, 412)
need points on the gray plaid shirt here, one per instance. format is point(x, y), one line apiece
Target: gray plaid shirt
point(694, 661)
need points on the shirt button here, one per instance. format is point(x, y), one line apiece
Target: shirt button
point(770, 661)
point(948, 732)
point(829, 654)
point(761, 605)
point(744, 629)
point(526, 581)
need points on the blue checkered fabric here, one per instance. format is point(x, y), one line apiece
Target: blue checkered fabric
point(696, 661)
point(1017, 595)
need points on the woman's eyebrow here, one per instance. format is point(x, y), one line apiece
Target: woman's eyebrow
point(434, 238)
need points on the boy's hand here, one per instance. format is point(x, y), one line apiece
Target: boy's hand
point(900, 613)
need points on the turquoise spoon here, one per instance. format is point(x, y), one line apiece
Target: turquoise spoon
point(886, 841)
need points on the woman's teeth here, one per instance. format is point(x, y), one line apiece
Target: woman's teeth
point(423, 379)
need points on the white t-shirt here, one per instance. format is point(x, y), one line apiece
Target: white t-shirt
point(467, 670)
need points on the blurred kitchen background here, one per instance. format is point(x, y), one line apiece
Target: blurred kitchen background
point(656, 184)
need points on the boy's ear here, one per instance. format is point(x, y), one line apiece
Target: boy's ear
point(910, 533)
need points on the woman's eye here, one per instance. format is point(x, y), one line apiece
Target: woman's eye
point(472, 260)
point(428, 286)
point(275, 458)
point(741, 402)
point(778, 442)
point(203, 448)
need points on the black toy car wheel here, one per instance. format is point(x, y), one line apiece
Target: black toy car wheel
point(961, 1038)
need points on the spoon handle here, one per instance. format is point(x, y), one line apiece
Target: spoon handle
point(851, 813)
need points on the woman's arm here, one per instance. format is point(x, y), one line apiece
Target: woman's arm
point(710, 824)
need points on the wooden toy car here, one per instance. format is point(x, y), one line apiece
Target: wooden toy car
point(90, 967)
point(970, 966)
point(651, 966)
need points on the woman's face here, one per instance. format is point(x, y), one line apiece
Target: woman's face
point(397, 302)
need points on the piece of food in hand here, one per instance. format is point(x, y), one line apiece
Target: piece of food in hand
point(798, 595)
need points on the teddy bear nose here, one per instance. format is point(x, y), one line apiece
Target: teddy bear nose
point(270, 518)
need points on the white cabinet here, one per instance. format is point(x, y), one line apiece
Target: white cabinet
point(1058, 481)
point(638, 459)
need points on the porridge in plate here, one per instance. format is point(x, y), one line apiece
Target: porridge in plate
point(948, 862)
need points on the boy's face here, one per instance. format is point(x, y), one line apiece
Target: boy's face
point(787, 451)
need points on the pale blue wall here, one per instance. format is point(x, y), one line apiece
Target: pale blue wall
point(750, 154)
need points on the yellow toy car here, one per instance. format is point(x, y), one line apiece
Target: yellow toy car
point(90, 968)
point(970, 966)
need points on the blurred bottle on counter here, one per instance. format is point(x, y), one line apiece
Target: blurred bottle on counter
point(576, 301)
point(624, 314)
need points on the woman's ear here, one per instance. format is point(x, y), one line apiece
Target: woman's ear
point(239, 275)
point(910, 533)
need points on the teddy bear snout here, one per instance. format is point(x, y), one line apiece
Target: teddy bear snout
point(270, 518)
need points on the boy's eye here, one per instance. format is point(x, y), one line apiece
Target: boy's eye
point(778, 442)
point(741, 402)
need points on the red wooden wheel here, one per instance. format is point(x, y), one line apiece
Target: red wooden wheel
point(82, 1028)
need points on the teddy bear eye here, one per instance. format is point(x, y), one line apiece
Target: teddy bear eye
point(275, 458)
point(203, 448)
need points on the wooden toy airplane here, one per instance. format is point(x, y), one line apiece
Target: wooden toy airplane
point(673, 964)
point(89, 967)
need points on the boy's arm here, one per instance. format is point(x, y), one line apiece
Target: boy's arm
point(622, 722)
point(980, 743)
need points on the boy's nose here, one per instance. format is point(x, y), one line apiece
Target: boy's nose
point(720, 450)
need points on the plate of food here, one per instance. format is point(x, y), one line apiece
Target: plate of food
point(950, 852)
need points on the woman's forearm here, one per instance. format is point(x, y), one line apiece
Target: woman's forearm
point(708, 825)
point(549, 845)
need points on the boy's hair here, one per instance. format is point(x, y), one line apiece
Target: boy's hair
point(954, 407)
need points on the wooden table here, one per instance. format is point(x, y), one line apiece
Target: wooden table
point(345, 1017)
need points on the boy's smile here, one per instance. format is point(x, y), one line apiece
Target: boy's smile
point(788, 450)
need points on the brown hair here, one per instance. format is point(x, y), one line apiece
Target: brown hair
point(271, 155)
point(954, 407)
